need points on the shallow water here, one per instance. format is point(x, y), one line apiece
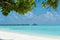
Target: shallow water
point(49, 30)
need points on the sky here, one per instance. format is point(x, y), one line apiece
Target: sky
point(38, 15)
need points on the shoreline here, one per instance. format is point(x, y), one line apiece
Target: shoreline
point(4, 35)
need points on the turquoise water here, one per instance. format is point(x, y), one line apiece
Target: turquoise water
point(50, 30)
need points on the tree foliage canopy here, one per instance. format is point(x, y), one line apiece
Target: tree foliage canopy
point(51, 3)
point(23, 6)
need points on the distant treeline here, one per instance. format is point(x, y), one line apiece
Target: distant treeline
point(18, 24)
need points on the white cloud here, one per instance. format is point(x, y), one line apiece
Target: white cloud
point(50, 16)
point(16, 17)
point(47, 18)
point(29, 15)
point(13, 18)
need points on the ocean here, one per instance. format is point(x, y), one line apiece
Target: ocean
point(46, 30)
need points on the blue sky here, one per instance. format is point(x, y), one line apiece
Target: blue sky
point(38, 15)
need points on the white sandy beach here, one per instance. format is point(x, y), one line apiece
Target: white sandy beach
point(18, 36)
